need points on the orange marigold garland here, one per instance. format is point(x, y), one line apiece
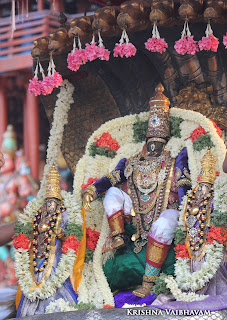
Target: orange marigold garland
point(217, 234)
point(181, 251)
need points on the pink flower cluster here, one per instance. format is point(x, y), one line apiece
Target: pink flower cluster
point(90, 53)
point(124, 49)
point(46, 85)
point(209, 43)
point(186, 45)
point(225, 40)
point(156, 45)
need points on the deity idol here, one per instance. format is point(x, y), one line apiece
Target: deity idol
point(151, 193)
point(46, 251)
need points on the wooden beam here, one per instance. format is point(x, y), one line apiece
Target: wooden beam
point(3, 112)
point(16, 63)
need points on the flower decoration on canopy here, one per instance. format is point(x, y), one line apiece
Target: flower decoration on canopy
point(209, 42)
point(49, 82)
point(94, 51)
point(35, 85)
point(186, 44)
point(225, 40)
point(155, 43)
point(52, 80)
point(77, 56)
point(124, 48)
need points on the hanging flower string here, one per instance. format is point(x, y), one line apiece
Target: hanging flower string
point(155, 43)
point(186, 45)
point(103, 53)
point(225, 40)
point(124, 47)
point(77, 56)
point(94, 51)
point(35, 85)
point(52, 80)
point(209, 42)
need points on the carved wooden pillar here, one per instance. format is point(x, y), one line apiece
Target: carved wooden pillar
point(3, 112)
point(32, 132)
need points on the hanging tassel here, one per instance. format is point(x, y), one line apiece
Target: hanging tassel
point(77, 56)
point(155, 43)
point(35, 85)
point(186, 45)
point(124, 47)
point(209, 42)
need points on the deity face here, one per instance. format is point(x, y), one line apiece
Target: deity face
point(51, 205)
point(204, 188)
point(155, 148)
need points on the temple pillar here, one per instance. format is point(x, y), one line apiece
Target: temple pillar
point(3, 112)
point(57, 5)
point(31, 117)
point(40, 5)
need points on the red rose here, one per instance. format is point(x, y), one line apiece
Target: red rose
point(70, 243)
point(92, 238)
point(197, 133)
point(21, 241)
point(181, 251)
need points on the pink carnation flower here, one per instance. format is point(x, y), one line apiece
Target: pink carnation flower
point(118, 50)
point(91, 51)
point(76, 59)
point(156, 45)
point(192, 46)
point(209, 43)
point(181, 46)
point(57, 80)
point(129, 50)
point(47, 85)
point(103, 53)
point(35, 86)
point(125, 49)
point(225, 40)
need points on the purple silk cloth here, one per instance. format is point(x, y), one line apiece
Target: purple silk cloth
point(104, 183)
point(216, 289)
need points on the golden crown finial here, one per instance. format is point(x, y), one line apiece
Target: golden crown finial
point(53, 184)
point(208, 174)
point(158, 123)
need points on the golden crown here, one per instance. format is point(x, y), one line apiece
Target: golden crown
point(53, 184)
point(208, 174)
point(158, 123)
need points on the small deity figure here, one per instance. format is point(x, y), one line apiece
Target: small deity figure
point(151, 193)
point(198, 207)
point(46, 250)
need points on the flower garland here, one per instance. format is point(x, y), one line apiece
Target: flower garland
point(186, 45)
point(70, 247)
point(155, 43)
point(179, 295)
point(61, 305)
point(104, 146)
point(198, 279)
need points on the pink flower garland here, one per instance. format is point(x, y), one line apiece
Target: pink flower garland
point(35, 86)
point(94, 51)
point(155, 43)
point(225, 40)
point(209, 42)
point(186, 45)
point(126, 48)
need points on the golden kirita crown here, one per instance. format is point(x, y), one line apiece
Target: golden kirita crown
point(53, 184)
point(158, 123)
point(208, 174)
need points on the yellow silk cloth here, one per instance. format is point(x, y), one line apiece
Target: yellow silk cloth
point(76, 273)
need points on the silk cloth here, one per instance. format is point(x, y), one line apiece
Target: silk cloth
point(66, 292)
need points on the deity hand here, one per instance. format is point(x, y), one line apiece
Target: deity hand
point(87, 199)
point(2, 160)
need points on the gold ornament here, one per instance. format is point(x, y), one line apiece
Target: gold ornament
point(53, 184)
point(158, 123)
point(208, 168)
point(194, 210)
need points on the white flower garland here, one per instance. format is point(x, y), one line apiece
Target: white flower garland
point(59, 304)
point(220, 193)
point(22, 261)
point(179, 295)
point(198, 279)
